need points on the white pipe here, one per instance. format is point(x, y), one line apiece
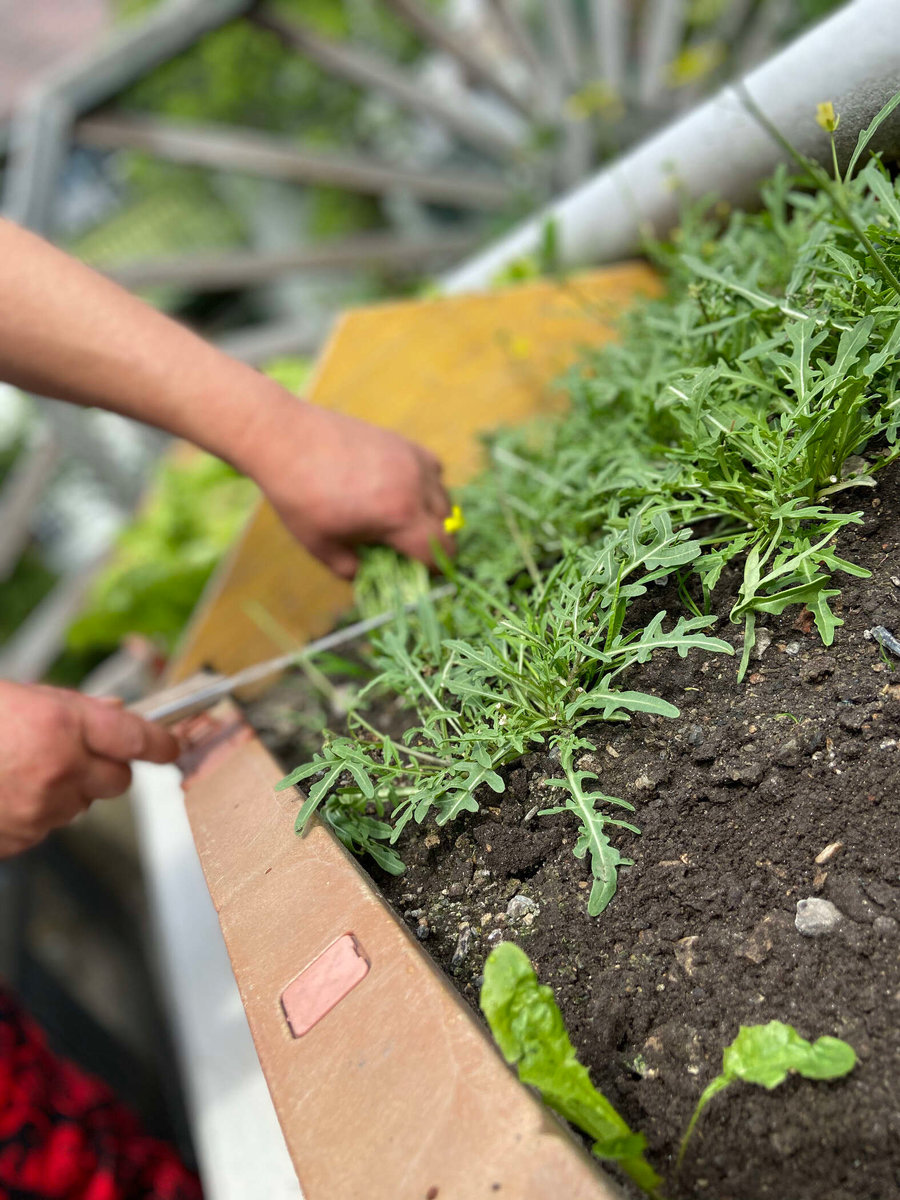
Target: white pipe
point(852, 59)
point(239, 1144)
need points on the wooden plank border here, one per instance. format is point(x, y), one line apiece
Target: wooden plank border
point(394, 1092)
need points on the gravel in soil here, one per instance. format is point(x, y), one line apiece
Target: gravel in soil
point(761, 797)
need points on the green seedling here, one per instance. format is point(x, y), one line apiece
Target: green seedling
point(766, 1055)
point(528, 1027)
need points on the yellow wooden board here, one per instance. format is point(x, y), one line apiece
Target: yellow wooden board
point(440, 371)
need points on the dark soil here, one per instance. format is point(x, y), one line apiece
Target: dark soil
point(762, 794)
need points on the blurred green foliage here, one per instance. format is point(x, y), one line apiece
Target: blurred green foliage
point(242, 74)
point(25, 588)
point(164, 558)
point(162, 218)
point(291, 372)
point(196, 506)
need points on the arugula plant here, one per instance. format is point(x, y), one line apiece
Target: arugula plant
point(528, 1027)
point(531, 666)
point(766, 1055)
point(710, 444)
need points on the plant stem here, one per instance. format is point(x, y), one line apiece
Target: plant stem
point(718, 1084)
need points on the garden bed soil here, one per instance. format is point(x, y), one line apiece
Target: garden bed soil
point(761, 795)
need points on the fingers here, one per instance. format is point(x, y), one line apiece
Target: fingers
point(338, 558)
point(104, 779)
point(437, 502)
point(418, 540)
point(436, 498)
point(114, 733)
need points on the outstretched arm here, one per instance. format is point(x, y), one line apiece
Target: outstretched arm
point(69, 333)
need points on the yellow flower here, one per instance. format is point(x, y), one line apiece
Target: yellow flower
point(825, 117)
point(456, 521)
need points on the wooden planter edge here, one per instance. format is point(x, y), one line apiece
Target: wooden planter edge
point(384, 1083)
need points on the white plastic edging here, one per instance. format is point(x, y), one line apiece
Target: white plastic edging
point(852, 59)
point(239, 1144)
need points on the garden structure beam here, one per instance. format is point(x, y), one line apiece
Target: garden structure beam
point(719, 148)
point(232, 149)
point(761, 32)
point(21, 493)
point(439, 35)
point(564, 38)
point(36, 149)
point(366, 69)
point(259, 345)
point(609, 25)
point(221, 272)
point(662, 27)
point(519, 37)
point(41, 125)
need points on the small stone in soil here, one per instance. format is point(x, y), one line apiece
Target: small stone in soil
point(762, 643)
point(817, 669)
point(684, 954)
point(758, 945)
point(829, 852)
point(788, 754)
point(815, 917)
point(704, 754)
point(885, 926)
point(463, 943)
point(519, 906)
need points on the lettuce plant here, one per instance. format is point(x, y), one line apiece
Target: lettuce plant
point(766, 1055)
point(528, 1027)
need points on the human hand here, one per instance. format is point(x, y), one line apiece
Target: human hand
point(60, 750)
point(337, 482)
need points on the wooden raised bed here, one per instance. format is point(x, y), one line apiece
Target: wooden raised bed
point(384, 1083)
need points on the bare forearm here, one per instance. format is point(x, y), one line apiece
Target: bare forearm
point(69, 333)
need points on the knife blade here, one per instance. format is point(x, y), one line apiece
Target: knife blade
point(197, 693)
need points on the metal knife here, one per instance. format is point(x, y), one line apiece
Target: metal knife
point(201, 690)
